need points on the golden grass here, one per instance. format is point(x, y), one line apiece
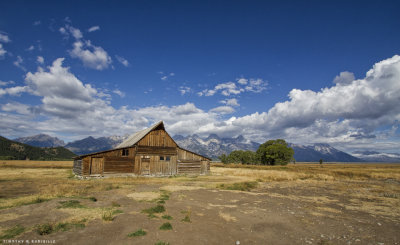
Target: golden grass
point(311, 171)
point(36, 164)
point(371, 188)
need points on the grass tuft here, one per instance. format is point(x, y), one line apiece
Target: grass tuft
point(151, 211)
point(241, 186)
point(12, 232)
point(166, 226)
point(68, 226)
point(187, 216)
point(107, 215)
point(46, 229)
point(167, 217)
point(71, 204)
point(139, 232)
point(164, 197)
point(161, 243)
point(117, 211)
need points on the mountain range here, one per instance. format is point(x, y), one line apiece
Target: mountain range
point(41, 140)
point(374, 156)
point(12, 150)
point(315, 152)
point(90, 144)
point(214, 146)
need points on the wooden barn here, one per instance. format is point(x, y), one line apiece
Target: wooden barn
point(150, 152)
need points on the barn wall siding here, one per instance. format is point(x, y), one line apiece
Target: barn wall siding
point(118, 164)
point(113, 162)
point(152, 165)
point(191, 163)
point(157, 138)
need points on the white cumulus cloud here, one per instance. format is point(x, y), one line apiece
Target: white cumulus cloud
point(230, 102)
point(232, 88)
point(344, 77)
point(92, 56)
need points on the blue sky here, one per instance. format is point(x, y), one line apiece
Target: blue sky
point(263, 69)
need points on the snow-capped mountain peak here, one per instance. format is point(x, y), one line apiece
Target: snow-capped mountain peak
point(214, 146)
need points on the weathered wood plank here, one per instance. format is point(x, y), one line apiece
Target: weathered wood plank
point(160, 150)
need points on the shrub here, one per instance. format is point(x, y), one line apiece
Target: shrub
point(166, 226)
point(139, 232)
point(44, 229)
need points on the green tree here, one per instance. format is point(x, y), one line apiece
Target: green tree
point(223, 158)
point(239, 156)
point(274, 152)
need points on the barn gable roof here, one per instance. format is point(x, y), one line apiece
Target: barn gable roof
point(136, 137)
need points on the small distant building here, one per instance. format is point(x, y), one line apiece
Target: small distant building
point(150, 152)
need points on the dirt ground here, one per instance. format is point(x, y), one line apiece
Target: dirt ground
point(302, 206)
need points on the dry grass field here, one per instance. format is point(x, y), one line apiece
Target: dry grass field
point(293, 204)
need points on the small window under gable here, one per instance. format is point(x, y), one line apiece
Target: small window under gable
point(125, 152)
point(167, 158)
point(161, 158)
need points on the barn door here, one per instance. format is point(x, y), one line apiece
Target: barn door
point(145, 166)
point(97, 166)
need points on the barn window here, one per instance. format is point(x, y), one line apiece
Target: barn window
point(167, 158)
point(125, 152)
point(161, 158)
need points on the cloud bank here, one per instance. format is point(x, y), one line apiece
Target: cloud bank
point(351, 113)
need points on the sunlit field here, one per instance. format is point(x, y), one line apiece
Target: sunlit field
point(322, 204)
